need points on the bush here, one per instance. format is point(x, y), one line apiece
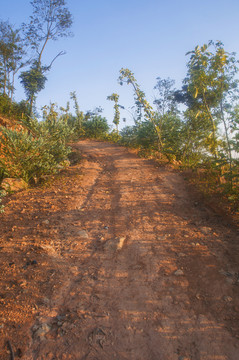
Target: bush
point(96, 127)
point(24, 156)
point(55, 134)
point(32, 154)
point(129, 136)
point(113, 137)
point(11, 109)
point(146, 136)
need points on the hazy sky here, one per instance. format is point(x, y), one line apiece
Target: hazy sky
point(149, 37)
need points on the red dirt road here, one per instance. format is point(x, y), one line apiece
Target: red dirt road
point(117, 259)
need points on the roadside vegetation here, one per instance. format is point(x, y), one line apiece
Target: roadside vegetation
point(195, 127)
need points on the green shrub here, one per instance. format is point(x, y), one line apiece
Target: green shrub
point(28, 157)
point(129, 136)
point(147, 136)
point(95, 127)
point(113, 137)
point(11, 109)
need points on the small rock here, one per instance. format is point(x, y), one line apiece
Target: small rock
point(83, 234)
point(121, 241)
point(206, 230)
point(179, 272)
point(23, 283)
point(181, 254)
point(162, 237)
point(199, 297)
point(46, 222)
point(227, 298)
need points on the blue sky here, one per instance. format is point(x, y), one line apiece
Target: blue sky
point(148, 37)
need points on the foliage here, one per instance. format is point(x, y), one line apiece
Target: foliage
point(49, 21)
point(113, 137)
point(12, 109)
point(211, 83)
point(129, 136)
point(115, 97)
point(33, 81)
point(38, 150)
point(168, 119)
point(210, 93)
point(95, 127)
point(205, 134)
point(24, 156)
point(127, 76)
point(2, 194)
point(12, 53)
point(76, 121)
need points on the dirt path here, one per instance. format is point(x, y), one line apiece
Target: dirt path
point(117, 260)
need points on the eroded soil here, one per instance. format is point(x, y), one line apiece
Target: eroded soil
point(117, 259)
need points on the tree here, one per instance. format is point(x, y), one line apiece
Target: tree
point(12, 52)
point(165, 101)
point(211, 82)
point(128, 77)
point(33, 81)
point(115, 97)
point(168, 120)
point(79, 114)
point(50, 21)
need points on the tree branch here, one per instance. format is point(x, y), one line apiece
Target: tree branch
point(60, 54)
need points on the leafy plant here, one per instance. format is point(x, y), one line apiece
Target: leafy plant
point(24, 156)
point(115, 97)
point(95, 127)
point(2, 194)
point(37, 150)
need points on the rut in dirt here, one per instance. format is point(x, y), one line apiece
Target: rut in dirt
point(151, 270)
